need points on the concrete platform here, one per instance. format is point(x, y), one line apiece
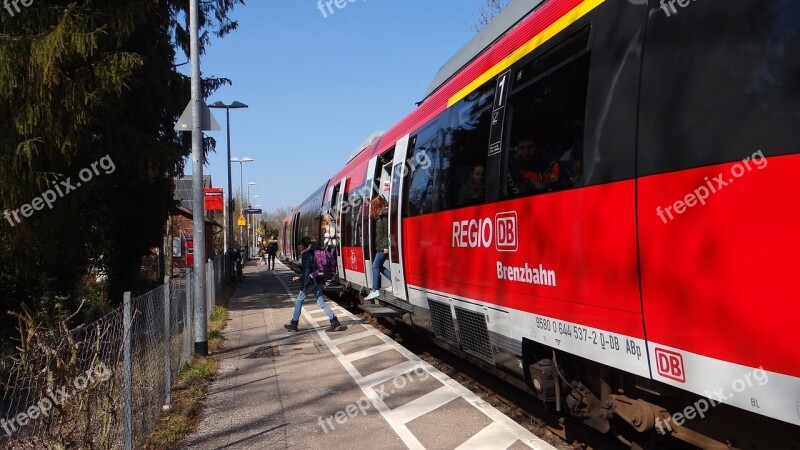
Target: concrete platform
point(350, 389)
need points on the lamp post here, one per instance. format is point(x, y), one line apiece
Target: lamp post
point(253, 223)
point(247, 217)
point(252, 183)
point(257, 234)
point(241, 162)
point(229, 229)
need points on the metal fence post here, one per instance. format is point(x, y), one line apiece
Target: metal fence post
point(167, 340)
point(210, 290)
point(188, 327)
point(126, 374)
point(218, 267)
point(221, 263)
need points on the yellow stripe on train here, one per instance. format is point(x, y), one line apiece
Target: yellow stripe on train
point(547, 34)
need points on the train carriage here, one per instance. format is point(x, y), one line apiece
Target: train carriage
point(650, 270)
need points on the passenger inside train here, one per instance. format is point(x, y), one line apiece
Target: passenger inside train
point(473, 191)
point(531, 168)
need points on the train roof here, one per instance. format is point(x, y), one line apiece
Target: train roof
point(367, 142)
point(510, 16)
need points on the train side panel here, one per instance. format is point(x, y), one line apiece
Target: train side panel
point(718, 223)
point(563, 265)
point(573, 270)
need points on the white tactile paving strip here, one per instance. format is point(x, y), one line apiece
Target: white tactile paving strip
point(500, 433)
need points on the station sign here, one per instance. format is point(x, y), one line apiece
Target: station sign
point(214, 199)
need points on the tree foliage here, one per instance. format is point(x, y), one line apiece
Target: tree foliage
point(80, 81)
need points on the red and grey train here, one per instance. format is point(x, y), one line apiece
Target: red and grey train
point(651, 289)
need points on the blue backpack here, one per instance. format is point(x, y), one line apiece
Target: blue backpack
point(323, 263)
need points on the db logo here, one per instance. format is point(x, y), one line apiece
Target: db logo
point(506, 226)
point(670, 365)
point(353, 260)
point(479, 233)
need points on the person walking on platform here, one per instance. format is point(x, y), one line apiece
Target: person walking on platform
point(262, 254)
point(310, 285)
point(272, 249)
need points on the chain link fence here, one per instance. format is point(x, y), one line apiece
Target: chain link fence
point(102, 385)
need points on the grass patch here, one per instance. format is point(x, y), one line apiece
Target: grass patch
point(218, 321)
point(187, 404)
point(189, 393)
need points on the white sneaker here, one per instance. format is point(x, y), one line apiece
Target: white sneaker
point(373, 294)
point(388, 289)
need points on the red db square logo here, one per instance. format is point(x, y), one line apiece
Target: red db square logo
point(670, 365)
point(505, 224)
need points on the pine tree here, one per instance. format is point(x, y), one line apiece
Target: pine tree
point(85, 83)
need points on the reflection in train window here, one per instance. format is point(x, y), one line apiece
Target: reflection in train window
point(352, 234)
point(546, 115)
point(422, 184)
point(468, 139)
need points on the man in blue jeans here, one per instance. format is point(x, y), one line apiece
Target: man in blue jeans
point(310, 285)
point(379, 211)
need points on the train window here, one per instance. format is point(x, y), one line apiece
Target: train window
point(467, 140)
point(351, 220)
point(425, 174)
point(545, 62)
point(546, 117)
point(716, 94)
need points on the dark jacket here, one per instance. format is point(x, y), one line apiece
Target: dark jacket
point(306, 262)
point(471, 193)
point(382, 231)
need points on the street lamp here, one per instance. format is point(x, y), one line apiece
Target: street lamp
point(241, 162)
point(257, 235)
point(247, 216)
point(252, 183)
point(234, 105)
point(253, 222)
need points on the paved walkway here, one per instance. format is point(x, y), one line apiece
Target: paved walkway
point(350, 389)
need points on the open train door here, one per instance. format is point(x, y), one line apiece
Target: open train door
point(334, 228)
point(396, 220)
point(368, 224)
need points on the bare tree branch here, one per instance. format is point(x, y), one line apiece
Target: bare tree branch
point(492, 8)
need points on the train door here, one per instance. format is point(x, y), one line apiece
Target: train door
point(293, 241)
point(396, 219)
point(369, 231)
point(379, 176)
point(348, 218)
point(335, 225)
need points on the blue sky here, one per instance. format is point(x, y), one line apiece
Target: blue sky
point(318, 86)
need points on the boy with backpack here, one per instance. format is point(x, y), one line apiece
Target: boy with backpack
point(312, 269)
